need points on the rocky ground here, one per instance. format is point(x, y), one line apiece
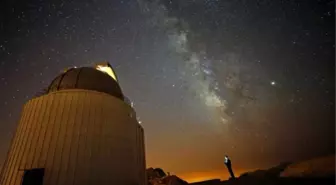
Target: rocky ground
point(320, 171)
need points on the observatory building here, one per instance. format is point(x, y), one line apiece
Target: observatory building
point(82, 130)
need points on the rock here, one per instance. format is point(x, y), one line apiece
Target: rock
point(155, 173)
point(268, 173)
point(160, 172)
point(319, 167)
point(158, 177)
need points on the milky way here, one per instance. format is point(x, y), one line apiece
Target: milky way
point(207, 77)
point(197, 69)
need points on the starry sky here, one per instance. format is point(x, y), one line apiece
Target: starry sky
point(250, 79)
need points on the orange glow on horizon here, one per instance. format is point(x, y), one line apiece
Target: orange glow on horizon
point(222, 174)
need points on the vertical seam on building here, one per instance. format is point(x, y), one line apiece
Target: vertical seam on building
point(63, 144)
point(54, 108)
point(11, 146)
point(79, 136)
point(86, 129)
point(60, 99)
point(77, 78)
point(33, 135)
point(87, 134)
point(92, 142)
point(24, 148)
point(28, 148)
point(43, 125)
point(71, 131)
point(51, 103)
point(16, 142)
point(100, 128)
point(105, 140)
point(52, 82)
point(23, 140)
point(60, 81)
point(40, 121)
point(63, 75)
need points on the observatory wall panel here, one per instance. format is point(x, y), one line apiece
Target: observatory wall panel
point(79, 137)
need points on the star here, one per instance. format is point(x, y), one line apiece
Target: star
point(273, 83)
point(202, 65)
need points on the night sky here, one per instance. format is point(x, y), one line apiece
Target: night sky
point(250, 79)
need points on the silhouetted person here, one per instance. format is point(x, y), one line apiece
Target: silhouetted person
point(227, 162)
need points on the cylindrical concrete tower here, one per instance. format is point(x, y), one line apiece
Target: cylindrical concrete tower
point(80, 132)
